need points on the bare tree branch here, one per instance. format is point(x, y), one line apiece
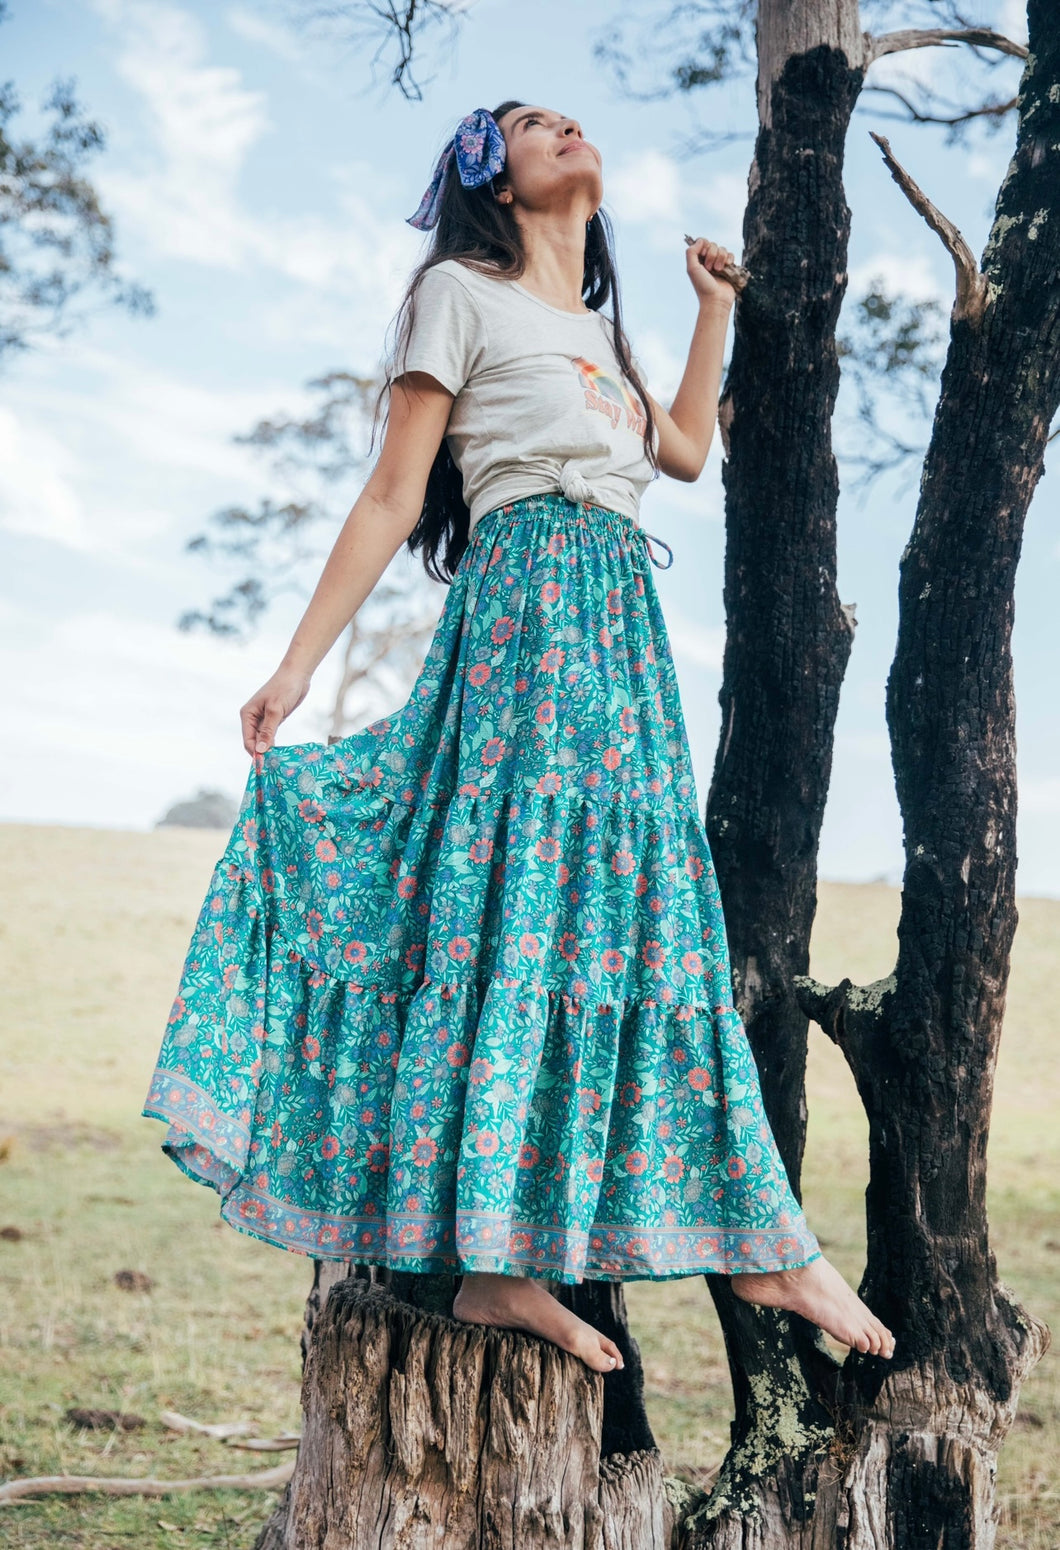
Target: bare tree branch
point(996, 108)
point(971, 283)
point(404, 23)
point(929, 37)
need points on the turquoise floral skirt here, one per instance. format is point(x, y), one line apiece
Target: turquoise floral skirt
point(459, 998)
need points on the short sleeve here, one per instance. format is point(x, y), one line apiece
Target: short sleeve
point(447, 337)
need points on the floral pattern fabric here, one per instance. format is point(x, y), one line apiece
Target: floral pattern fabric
point(458, 998)
point(479, 149)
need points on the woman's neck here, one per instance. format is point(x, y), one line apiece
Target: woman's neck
point(554, 245)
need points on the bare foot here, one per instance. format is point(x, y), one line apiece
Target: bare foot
point(521, 1302)
point(820, 1294)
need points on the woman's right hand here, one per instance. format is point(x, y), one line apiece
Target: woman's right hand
point(273, 703)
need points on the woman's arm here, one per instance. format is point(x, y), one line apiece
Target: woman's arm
point(687, 428)
point(380, 521)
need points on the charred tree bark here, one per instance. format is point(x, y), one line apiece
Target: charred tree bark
point(787, 645)
point(899, 1454)
point(923, 1044)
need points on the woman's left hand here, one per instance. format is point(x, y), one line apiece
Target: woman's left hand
point(703, 257)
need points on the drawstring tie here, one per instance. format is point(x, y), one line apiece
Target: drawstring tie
point(649, 539)
point(577, 489)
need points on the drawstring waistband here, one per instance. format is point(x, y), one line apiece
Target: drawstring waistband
point(579, 491)
point(582, 495)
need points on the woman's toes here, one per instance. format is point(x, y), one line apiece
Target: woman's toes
point(596, 1350)
point(880, 1340)
point(611, 1349)
point(607, 1357)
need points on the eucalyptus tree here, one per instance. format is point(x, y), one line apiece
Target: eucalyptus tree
point(58, 256)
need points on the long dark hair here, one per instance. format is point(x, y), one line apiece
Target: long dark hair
point(474, 227)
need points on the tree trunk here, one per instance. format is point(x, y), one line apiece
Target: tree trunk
point(788, 641)
point(369, 1327)
point(923, 1043)
point(422, 1431)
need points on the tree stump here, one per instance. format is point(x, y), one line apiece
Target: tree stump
point(421, 1431)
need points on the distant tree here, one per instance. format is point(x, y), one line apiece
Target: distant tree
point(56, 241)
point(207, 809)
point(280, 546)
point(891, 355)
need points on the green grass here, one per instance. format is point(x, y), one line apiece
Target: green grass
point(93, 928)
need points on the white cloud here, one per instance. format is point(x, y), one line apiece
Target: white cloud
point(143, 452)
point(38, 484)
point(988, 166)
point(650, 189)
point(142, 713)
point(662, 366)
point(907, 68)
point(646, 187)
point(1040, 795)
point(272, 35)
point(722, 199)
point(203, 123)
point(695, 644)
point(202, 120)
point(125, 715)
point(908, 273)
point(1013, 20)
point(170, 421)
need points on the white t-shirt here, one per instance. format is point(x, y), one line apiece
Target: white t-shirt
point(540, 401)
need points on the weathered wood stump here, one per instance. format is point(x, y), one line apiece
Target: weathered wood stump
point(421, 1431)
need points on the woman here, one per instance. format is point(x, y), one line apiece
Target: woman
point(459, 997)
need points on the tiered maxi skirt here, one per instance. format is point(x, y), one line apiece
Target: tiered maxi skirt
point(458, 998)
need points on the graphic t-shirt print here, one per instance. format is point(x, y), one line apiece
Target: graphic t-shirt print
point(609, 395)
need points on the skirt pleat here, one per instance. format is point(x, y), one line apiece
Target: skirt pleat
point(459, 998)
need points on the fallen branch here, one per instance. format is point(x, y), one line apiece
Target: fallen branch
point(228, 1431)
point(181, 1423)
point(74, 1485)
point(278, 1444)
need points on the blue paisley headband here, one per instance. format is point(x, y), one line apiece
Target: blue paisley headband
point(479, 149)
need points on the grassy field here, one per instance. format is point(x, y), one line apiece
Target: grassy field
point(93, 928)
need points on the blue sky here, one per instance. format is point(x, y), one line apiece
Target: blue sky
point(259, 181)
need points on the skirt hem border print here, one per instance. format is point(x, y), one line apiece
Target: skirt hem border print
point(458, 998)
